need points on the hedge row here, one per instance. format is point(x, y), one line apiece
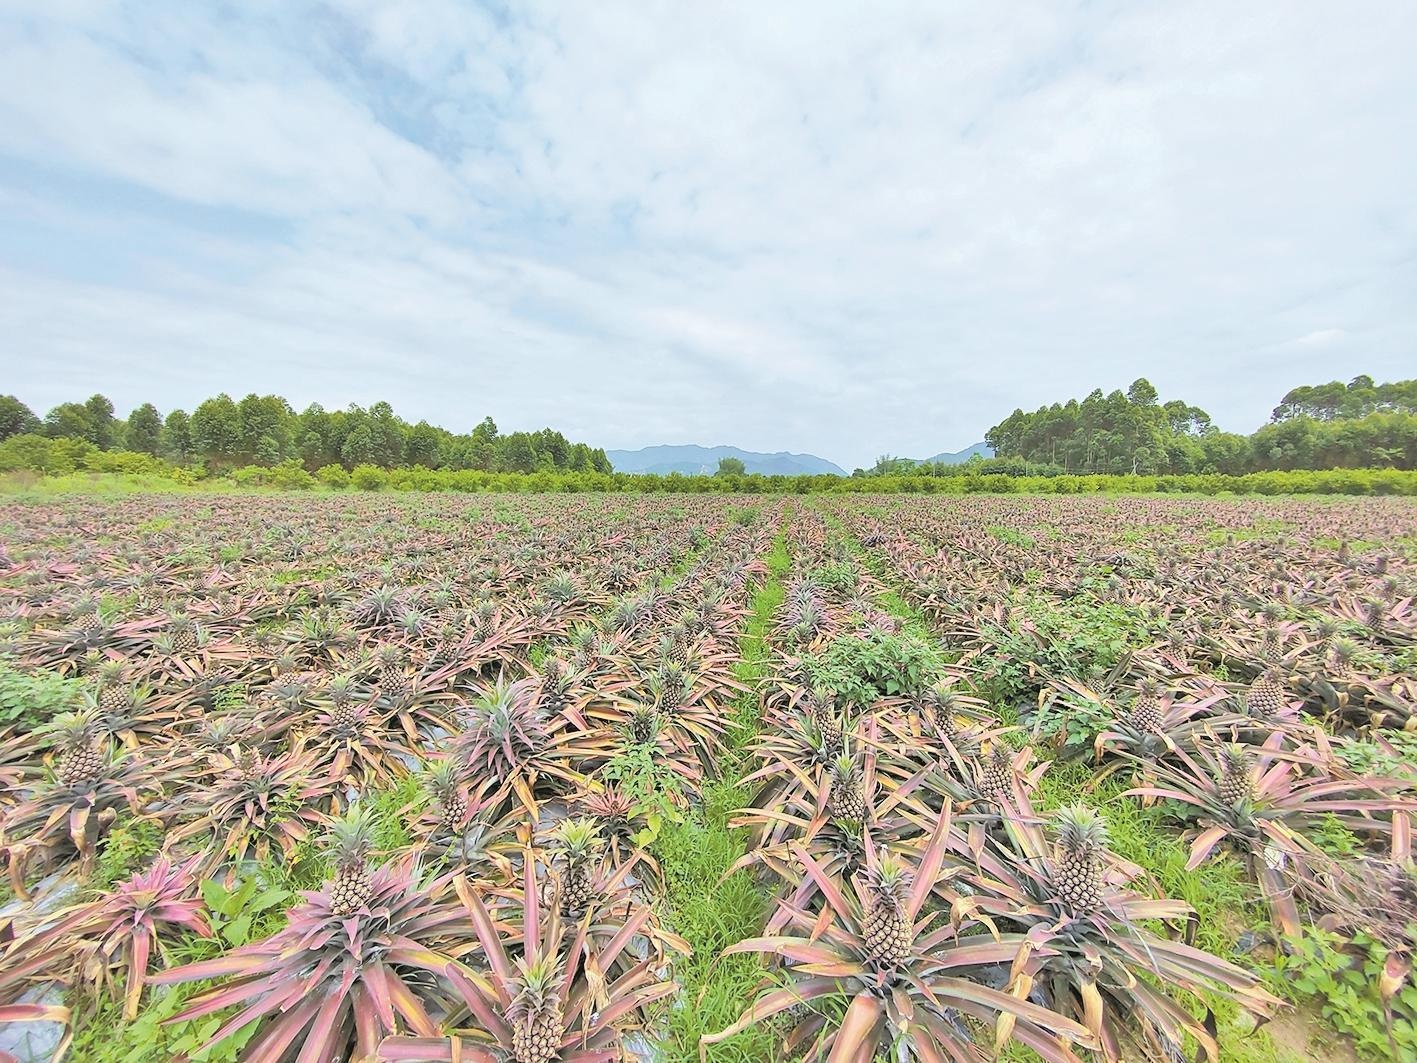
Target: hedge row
point(117, 470)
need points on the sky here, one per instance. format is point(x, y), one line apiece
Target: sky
point(834, 228)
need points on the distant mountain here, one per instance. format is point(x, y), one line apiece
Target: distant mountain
point(692, 459)
point(959, 457)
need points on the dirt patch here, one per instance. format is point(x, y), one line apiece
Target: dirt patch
point(1303, 1032)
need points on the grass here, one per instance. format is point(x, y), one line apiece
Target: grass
point(707, 909)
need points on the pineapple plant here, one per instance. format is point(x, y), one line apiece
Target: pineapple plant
point(535, 1014)
point(845, 800)
point(578, 843)
point(1079, 858)
point(886, 929)
point(1266, 697)
point(350, 843)
point(1236, 776)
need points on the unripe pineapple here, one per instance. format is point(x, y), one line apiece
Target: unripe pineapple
point(1237, 774)
point(579, 843)
point(555, 685)
point(351, 839)
point(885, 929)
point(535, 1014)
point(442, 784)
point(996, 780)
point(644, 724)
point(87, 617)
point(1146, 708)
point(1340, 661)
point(392, 680)
point(845, 801)
point(1078, 856)
point(111, 693)
point(1271, 648)
point(1266, 697)
point(80, 756)
point(183, 632)
point(343, 712)
point(822, 707)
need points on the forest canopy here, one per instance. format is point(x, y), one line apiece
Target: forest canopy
point(1328, 426)
point(263, 430)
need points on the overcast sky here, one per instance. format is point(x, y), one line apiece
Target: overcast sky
point(816, 227)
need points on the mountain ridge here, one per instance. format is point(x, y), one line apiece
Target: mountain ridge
point(690, 459)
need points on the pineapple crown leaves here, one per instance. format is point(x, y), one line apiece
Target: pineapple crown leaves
point(351, 837)
point(73, 728)
point(1080, 829)
point(889, 878)
point(578, 839)
point(845, 767)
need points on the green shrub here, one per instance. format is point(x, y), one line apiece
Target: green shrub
point(1080, 636)
point(875, 664)
point(31, 699)
point(1342, 976)
point(333, 476)
point(368, 477)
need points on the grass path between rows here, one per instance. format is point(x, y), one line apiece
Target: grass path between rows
point(708, 910)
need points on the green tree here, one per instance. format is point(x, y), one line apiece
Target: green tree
point(69, 420)
point(423, 446)
point(103, 427)
point(267, 426)
point(516, 454)
point(731, 467)
point(144, 430)
point(176, 440)
point(216, 432)
point(16, 418)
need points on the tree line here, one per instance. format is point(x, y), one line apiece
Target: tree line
point(222, 434)
point(1359, 425)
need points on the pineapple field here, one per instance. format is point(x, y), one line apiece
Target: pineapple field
point(653, 777)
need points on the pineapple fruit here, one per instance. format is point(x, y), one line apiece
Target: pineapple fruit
point(885, 929)
point(997, 777)
point(445, 788)
point(536, 1014)
point(351, 840)
point(80, 756)
point(845, 800)
point(579, 843)
point(1082, 841)
point(1146, 707)
point(1266, 697)
point(1237, 774)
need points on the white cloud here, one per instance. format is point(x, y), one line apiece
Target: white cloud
point(803, 227)
point(1322, 337)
